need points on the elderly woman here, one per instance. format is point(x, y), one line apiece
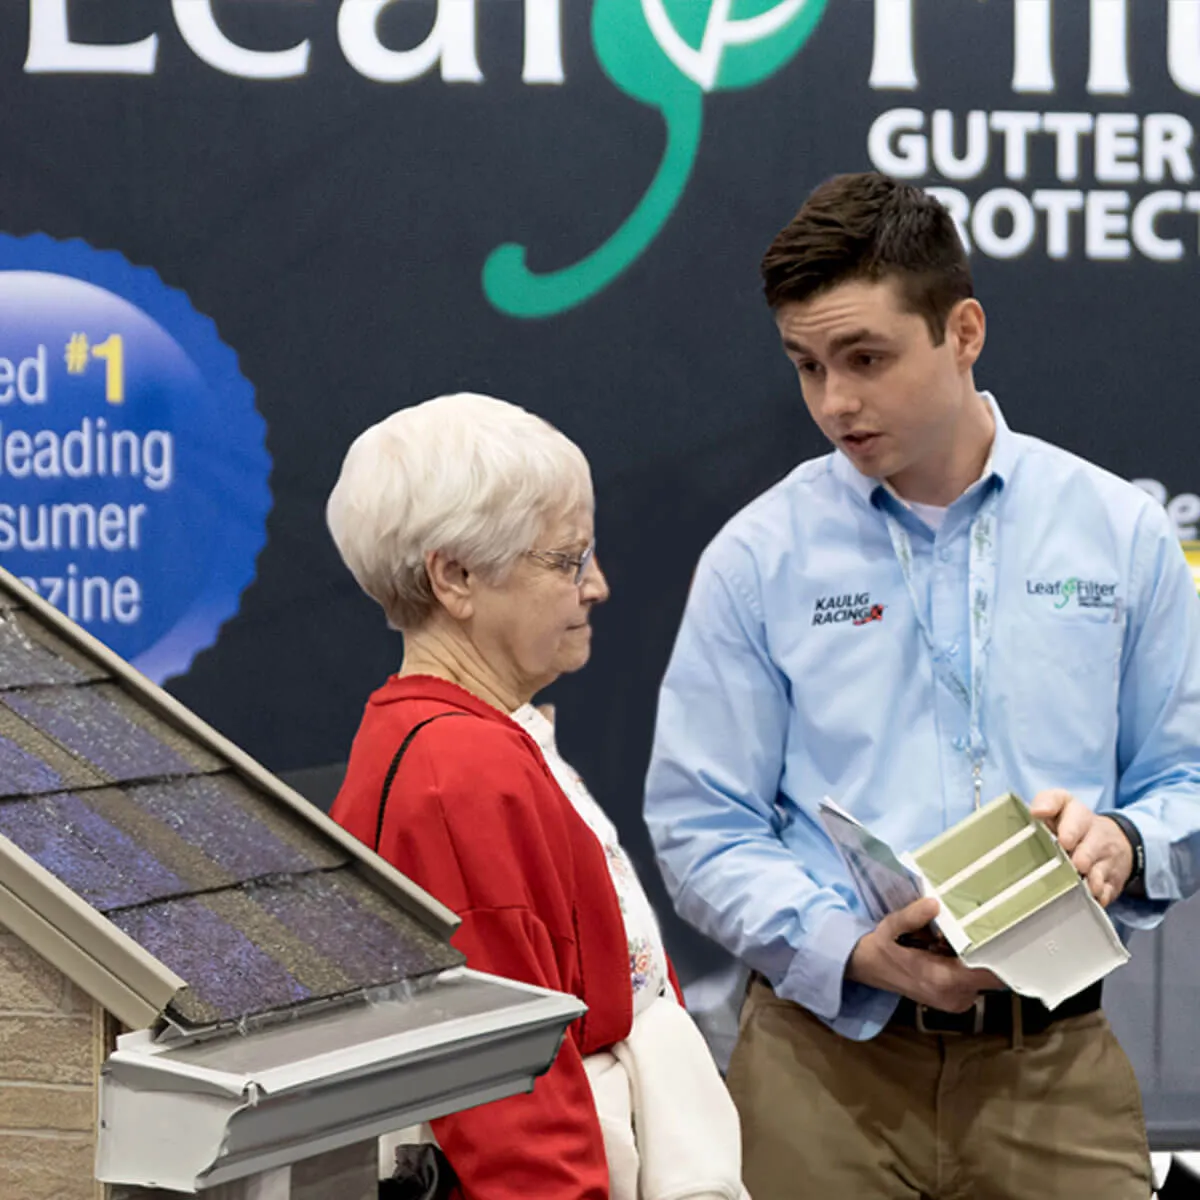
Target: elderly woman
point(470, 521)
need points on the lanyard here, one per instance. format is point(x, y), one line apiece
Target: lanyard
point(981, 585)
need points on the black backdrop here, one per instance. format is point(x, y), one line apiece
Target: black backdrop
point(335, 228)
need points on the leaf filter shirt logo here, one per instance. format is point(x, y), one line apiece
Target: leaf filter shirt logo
point(668, 54)
point(855, 608)
point(1086, 593)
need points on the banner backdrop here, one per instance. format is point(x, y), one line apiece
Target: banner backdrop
point(235, 232)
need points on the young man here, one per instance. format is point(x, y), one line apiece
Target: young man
point(938, 612)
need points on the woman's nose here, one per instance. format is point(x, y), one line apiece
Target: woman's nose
point(593, 587)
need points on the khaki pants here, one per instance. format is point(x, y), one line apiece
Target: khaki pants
point(913, 1116)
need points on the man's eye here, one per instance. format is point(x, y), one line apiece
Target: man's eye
point(808, 368)
point(867, 359)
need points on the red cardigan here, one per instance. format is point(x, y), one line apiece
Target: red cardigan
point(475, 817)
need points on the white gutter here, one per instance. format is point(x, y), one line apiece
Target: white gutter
point(193, 1114)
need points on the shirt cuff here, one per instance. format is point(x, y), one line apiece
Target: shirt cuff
point(817, 980)
point(1134, 912)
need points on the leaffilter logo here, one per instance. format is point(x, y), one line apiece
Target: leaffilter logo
point(667, 54)
point(1087, 593)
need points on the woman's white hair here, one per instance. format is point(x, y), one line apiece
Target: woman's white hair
point(472, 476)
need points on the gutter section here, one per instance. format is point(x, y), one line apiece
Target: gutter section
point(193, 1114)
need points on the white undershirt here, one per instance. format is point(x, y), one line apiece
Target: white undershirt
point(647, 958)
point(932, 514)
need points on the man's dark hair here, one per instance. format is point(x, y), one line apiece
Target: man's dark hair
point(870, 226)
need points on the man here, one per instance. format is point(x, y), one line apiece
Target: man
point(938, 612)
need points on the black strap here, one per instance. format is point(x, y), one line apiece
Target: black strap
point(996, 1014)
point(394, 767)
point(1135, 885)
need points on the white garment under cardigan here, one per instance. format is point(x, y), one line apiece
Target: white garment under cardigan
point(647, 958)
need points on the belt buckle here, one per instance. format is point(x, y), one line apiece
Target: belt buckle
point(977, 1015)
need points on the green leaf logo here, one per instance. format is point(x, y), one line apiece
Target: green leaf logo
point(667, 54)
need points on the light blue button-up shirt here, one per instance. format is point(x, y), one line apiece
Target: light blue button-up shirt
point(801, 671)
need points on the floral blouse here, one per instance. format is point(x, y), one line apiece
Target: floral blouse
point(647, 958)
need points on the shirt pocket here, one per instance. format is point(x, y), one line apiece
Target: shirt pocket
point(1064, 691)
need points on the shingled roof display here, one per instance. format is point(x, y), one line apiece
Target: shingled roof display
point(287, 991)
point(234, 891)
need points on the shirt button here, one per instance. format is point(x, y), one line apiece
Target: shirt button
point(952, 649)
point(945, 554)
point(959, 743)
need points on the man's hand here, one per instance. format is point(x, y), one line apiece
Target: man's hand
point(922, 975)
point(1099, 850)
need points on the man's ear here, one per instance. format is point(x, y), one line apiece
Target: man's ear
point(966, 327)
point(451, 583)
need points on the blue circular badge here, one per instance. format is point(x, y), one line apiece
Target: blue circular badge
point(133, 464)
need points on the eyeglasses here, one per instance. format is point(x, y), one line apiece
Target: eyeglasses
point(560, 560)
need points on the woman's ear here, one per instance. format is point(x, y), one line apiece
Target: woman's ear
point(452, 584)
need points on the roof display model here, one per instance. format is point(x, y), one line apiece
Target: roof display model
point(261, 955)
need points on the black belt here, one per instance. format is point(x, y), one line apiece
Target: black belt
point(993, 1013)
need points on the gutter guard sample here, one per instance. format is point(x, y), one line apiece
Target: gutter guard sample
point(193, 1113)
point(1013, 902)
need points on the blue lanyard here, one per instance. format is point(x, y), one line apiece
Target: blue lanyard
point(981, 583)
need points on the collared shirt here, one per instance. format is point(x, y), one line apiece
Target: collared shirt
point(801, 670)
